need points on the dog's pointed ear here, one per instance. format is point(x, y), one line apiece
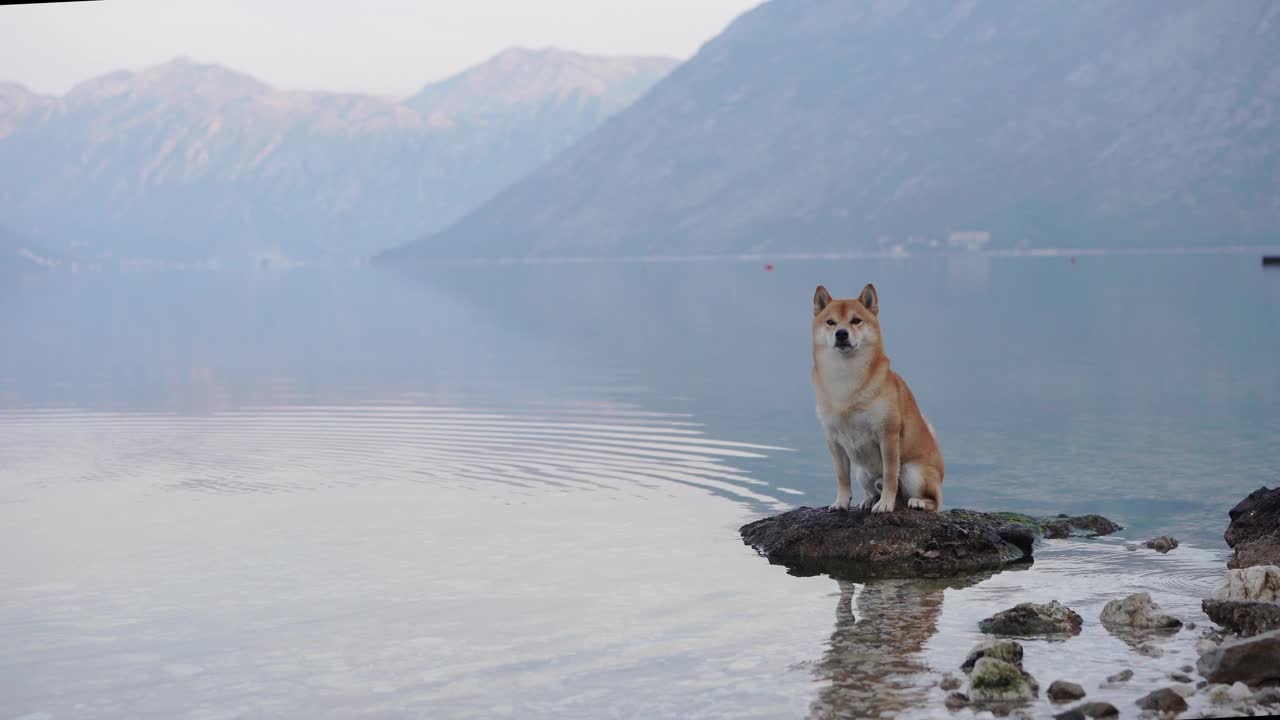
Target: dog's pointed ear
point(821, 298)
point(869, 299)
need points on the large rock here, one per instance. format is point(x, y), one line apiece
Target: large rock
point(1243, 617)
point(908, 543)
point(1250, 660)
point(1254, 532)
point(1007, 650)
point(1258, 582)
point(1164, 700)
point(1051, 618)
point(1139, 612)
point(995, 681)
point(1063, 691)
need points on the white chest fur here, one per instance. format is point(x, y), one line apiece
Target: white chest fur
point(858, 433)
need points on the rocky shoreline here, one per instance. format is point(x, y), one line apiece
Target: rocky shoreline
point(1239, 661)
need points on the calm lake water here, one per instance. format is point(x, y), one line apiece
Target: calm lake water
point(480, 492)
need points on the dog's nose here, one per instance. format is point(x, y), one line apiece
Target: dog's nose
point(842, 335)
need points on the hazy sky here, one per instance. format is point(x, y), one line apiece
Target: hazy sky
point(377, 46)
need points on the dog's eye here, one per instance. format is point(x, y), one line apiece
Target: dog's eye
point(831, 321)
point(855, 320)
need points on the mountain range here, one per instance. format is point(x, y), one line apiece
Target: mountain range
point(835, 126)
point(189, 161)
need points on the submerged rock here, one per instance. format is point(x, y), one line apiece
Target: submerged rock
point(1164, 700)
point(1006, 650)
point(1243, 617)
point(950, 682)
point(1137, 611)
point(1254, 532)
point(956, 700)
point(907, 543)
point(1257, 582)
point(1063, 526)
point(1251, 660)
point(1150, 650)
point(998, 681)
point(1162, 544)
point(1099, 709)
point(1062, 691)
point(1051, 618)
point(1122, 676)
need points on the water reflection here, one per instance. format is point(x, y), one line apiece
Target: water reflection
point(874, 661)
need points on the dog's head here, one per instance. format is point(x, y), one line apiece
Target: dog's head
point(846, 326)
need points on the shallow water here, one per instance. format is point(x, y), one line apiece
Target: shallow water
point(492, 491)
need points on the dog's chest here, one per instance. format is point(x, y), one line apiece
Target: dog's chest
point(859, 435)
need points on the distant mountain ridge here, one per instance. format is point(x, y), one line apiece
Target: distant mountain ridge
point(829, 126)
point(187, 160)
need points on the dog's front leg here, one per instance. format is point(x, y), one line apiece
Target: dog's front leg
point(844, 493)
point(890, 457)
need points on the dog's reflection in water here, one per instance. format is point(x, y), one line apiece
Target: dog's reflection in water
point(874, 662)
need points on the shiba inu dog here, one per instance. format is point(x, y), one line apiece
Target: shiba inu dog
point(874, 428)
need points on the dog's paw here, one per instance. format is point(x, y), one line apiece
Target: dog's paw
point(841, 503)
point(920, 504)
point(883, 506)
point(867, 503)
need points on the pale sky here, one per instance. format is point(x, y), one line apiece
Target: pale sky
point(390, 47)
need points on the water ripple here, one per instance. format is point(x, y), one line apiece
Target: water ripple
point(289, 449)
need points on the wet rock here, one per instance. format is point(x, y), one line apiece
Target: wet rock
point(1251, 660)
point(1006, 650)
point(1122, 676)
point(1258, 582)
point(956, 701)
point(1267, 696)
point(1180, 677)
point(1239, 692)
point(1064, 526)
point(1089, 710)
point(1202, 684)
point(950, 682)
point(1254, 532)
point(1206, 645)
point(1051, 618)
point(1220, 694)
point(1062, 691)
point(998, 681)
point(1137, 611)
point(1188, 669)
point(1162, 544)
point(1185, 691)
point(1190, 626)
point(1150, 650)
point(1164, 700)
point(1098, 710)
point(1243, 617)
point(909, 543)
